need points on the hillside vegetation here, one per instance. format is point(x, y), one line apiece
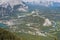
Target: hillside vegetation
point(6, 35)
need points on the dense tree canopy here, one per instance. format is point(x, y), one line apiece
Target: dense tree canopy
point(6, 35)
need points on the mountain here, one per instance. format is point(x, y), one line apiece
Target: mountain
point(11, 2)
point(15, 3)
point(46, 3)
point(31, 20)
point(45, 7)
point(31, 23)
point(30, 26)
point(21, 5)
point(10, 6)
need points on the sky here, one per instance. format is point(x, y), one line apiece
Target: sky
point(35, 0)
point(42, 0)
point(1, 1)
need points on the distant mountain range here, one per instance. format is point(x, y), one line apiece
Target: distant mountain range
point(13, 6)
point(12, 3)
point(7, 7)
point(46, 3)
